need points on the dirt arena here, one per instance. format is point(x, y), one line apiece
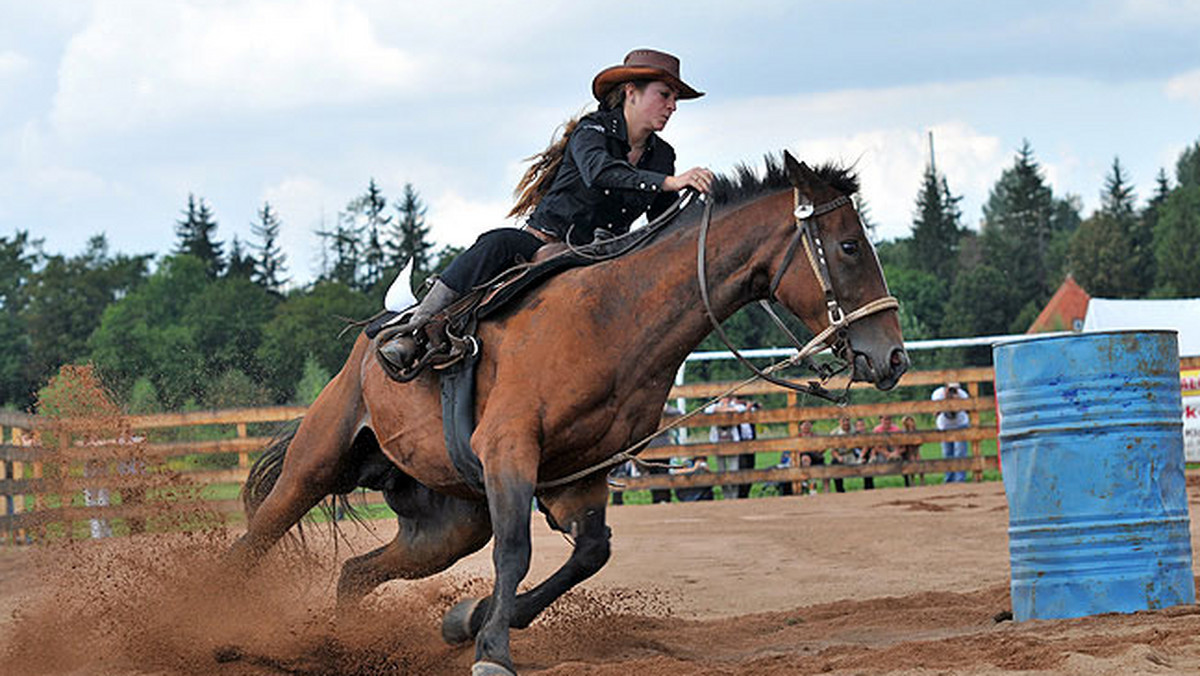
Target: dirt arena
point(895, 581)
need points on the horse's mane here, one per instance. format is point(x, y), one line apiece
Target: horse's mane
point(746, 182)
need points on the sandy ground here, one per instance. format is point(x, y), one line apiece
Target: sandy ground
point(895, 581)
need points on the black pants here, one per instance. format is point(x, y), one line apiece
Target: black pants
point(494, 252)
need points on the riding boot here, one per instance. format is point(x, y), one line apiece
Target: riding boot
point(400, 347)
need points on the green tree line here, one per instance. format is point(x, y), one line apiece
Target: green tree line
point(212, 323)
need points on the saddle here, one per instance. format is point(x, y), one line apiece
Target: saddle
point(449, 336)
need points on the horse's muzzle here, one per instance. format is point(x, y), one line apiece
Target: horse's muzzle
point(882, 370)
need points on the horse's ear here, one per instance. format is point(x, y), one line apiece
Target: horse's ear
point(801, 176)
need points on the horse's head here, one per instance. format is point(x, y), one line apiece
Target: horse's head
point(833, 275)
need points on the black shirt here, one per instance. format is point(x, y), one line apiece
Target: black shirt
point(596, 186)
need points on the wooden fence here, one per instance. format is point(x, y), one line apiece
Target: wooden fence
point(41, 486)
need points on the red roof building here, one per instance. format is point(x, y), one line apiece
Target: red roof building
point(1065, 311)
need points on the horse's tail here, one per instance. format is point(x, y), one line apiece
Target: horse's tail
point(265, 471)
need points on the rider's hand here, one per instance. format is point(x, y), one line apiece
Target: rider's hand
point(698, 178)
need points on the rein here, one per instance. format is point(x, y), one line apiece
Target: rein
point(807, 232)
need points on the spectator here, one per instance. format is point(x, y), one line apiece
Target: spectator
point(843, 456)
point(667, 438)
point(952, 418)
point(747, 431)
point(721, 434)
point(889, 452)
point(860, 427)
point(910, 452)
point(694, 466)
point(810, 459)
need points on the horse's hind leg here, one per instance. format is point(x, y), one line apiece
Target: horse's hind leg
point(578, 511)
point(435, 531)
point(314, 461)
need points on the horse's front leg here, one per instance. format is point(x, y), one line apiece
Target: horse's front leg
point(577, 510)
point(510, 472)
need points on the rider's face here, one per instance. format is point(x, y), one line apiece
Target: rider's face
point(650, 107)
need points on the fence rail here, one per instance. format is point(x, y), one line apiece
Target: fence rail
point(44, 486)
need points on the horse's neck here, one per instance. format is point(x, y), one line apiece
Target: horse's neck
point(659, 289)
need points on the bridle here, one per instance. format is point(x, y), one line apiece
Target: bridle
point(807, 220)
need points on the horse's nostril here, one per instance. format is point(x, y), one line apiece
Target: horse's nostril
point(899, 358)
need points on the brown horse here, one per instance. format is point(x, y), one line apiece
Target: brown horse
point(577, 371)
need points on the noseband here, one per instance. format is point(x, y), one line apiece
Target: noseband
point(807, 221)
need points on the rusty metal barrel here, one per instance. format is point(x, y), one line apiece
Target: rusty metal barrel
point(1091, 445)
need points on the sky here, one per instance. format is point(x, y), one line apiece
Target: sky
point(113, 111)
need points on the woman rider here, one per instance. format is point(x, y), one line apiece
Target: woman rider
point(609, 168)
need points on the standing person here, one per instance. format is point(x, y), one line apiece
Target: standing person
point(747, 432)
point(910, 452)
point(809, 459)
point(952, 418)
point(724, 434)
point(608, 168)
point(888, 452)
point(860, 427)
point(667, 438)
point(842, 456)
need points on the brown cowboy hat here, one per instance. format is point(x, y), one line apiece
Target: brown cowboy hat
point(643, 64)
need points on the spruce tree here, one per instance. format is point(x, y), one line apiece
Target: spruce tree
point(364, 217)
point(196, 232)
point(409, 239)
point(1025, 235)
point(936, 227)
point(270, 261)
point(241, 263)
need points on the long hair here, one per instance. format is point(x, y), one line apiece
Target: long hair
point(543, 167)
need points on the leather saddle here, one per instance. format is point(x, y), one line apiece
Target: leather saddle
point(449, 336)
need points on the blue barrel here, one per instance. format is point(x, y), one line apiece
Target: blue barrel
point(1091, 445)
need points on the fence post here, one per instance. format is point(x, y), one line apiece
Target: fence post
point(243, 456)
point(7, 503)
point(793, 428)
point(976, 445)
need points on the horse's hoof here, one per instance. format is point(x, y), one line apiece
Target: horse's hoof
point(484, 668)
point(456, 625)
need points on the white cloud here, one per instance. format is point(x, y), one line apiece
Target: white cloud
point(458, 220)
point(164, 61)
point(1185, 87)
point(12, 63)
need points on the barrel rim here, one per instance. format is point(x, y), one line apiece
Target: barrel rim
point(1021, 340)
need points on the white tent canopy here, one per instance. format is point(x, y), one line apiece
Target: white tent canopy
point(1183, 315)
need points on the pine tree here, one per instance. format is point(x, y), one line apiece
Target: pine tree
point(342, 251)
point(241, 263)
point(936, 228)
point(1025, 235)
point(270, 261)
point(409, 238)
point(195, 233)
point(364, 216)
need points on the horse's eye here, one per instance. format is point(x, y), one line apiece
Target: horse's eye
point(850, 247)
